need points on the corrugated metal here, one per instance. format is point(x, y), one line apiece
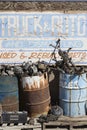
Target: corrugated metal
point(73, 94)
point(36, 95)
point(9, 98)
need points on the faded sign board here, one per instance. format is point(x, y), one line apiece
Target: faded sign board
point(28, 35)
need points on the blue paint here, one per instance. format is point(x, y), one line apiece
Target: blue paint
point(9, 97)
point(27, 44)
point(42, 25)
point(40, 44)
point(30, 32)
point(73, 94)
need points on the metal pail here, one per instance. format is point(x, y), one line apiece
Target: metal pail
point(9, 98)
point(36, 94)
point(73, 94)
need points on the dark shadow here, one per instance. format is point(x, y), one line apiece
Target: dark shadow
point(21, 95)
point(53, 77)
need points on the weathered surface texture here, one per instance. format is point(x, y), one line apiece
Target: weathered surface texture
point(43, 6)
point(46, 6)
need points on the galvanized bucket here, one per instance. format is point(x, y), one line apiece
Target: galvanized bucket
point(36, 94)
point(9, 97)
point(73, 94)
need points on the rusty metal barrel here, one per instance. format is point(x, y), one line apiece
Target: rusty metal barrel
point(9, 97)
point(36, 94)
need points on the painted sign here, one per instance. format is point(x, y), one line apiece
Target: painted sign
point(25, 35)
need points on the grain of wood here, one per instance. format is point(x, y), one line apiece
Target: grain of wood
point(43, 6)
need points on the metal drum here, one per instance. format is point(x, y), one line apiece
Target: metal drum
point(73, 94)
point(9, 93)
point(36, 94)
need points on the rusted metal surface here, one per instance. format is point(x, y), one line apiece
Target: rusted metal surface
point(10, 103)
point(9, 98)
point(35, 82)
point(36, 94)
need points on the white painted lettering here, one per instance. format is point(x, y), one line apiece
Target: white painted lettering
point(81, 26)
point(37, 24)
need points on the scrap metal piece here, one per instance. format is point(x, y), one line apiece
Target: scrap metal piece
point(67, 65)
point(32, 70)
point(3, 73)
point(10, 72)
point(54, 113)
point(18, 70)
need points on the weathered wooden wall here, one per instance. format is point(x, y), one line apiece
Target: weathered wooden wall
point(43, 6)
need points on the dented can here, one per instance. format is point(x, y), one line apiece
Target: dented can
point(36, 94)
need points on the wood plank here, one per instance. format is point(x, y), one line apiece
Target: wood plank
point(67, 121)
point(67, 117)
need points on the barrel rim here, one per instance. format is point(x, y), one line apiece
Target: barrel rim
point(36, 89)
point(73, 88)
point(39, 103)
point(12, 104)
point(73, 101)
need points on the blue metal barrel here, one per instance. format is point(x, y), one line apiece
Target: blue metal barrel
point(73, 94)
point(9, 98)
